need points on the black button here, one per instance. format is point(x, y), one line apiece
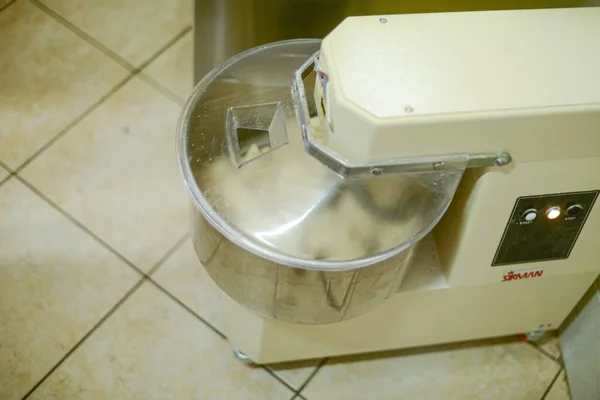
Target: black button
point(574, 209)
point(529, 215)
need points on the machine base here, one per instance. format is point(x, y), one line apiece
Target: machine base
point(425, 312)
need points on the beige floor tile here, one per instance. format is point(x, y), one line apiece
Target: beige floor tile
point(134, 29)
point(560, 389)
point(502, 370)
point(151, 348)
point(173, 69)
point(550, 344)
point(48, 76)
point(56, 282)
point(185, 278)
point(116, 173)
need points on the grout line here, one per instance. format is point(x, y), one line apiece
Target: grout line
point(278, 378)
point(163, 90)
point(544, 352)
point(3, 181)
point(107, 51)
point(166, 47)
point(551, 384)
point(143, 279)
point(311, 376)
point(10, 171)
point(74, 122)
point(10, 3)
point(297, 396)
point(209, 325)
point(133, 72)
point(182, 304)
point(80, 225)
point(84, 338)
point(118, 59)
point(303, 385)
point(169, 253)
point(214, 329)
point(99, 46)
point(6, 167)
point(152, 82)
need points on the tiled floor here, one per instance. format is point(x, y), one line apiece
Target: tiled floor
point(101, 295)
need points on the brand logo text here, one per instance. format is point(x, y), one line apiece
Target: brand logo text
point(518, 275)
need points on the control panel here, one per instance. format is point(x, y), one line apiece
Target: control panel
point(544, 228)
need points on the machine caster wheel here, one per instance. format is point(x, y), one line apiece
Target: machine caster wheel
point(535, 336)
point(241, 356)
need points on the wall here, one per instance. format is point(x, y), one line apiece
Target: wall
point(580, 343)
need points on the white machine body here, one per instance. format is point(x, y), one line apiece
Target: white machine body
point(518, 246)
